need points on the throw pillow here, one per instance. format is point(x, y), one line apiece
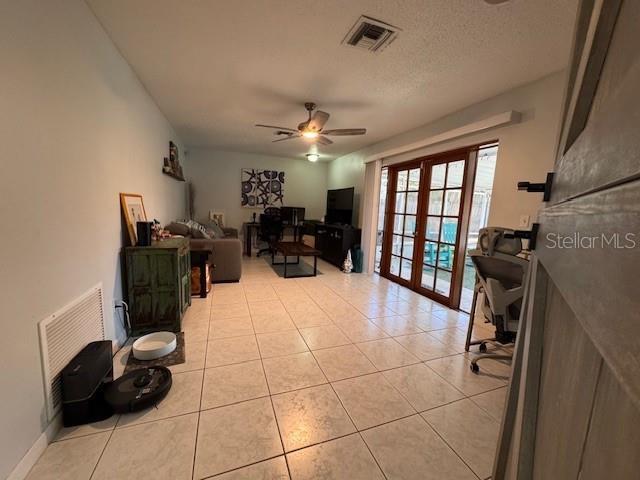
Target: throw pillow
point(200, 231)
point(178, 228)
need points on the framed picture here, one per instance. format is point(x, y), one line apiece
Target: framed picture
point(262, 188)
point(217, 217)
point(133, 210)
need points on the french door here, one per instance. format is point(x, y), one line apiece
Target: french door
point(426, 222)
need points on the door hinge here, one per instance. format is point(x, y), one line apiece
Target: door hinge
point(530, 235)
point(539, 187)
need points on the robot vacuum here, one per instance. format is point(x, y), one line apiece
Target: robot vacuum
point(138, 389)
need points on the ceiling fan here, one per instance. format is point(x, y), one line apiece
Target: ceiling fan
point(312, 128)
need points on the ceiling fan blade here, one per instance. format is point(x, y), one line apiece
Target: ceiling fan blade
point(317, 121)
point(284, 129)
point(323, 140)
point(288, 137)
point(345, 131)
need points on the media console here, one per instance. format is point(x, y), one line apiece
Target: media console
point(334, 241)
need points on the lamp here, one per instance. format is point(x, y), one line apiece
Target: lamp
point(313, 157)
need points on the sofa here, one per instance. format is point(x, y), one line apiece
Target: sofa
point(225, 248)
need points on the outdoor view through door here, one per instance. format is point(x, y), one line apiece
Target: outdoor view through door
point(431, 209)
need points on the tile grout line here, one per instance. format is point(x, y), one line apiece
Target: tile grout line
point(206, 351)
point(343, 408)
point(449, 446)
point(273, 409)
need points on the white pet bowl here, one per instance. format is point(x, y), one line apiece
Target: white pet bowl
point(154, 345)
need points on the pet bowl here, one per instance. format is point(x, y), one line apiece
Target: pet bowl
point(154, 345)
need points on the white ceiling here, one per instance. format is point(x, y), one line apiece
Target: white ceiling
point(217, 67)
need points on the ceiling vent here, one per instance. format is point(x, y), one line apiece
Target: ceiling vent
point(371, 34)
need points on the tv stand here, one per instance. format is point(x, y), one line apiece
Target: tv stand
point(333, 240)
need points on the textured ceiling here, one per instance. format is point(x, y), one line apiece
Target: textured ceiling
point(217, 67)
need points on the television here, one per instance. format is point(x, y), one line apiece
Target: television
point(340, 206)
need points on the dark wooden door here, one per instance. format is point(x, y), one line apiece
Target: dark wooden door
point(426, 222)
point(574, 399)
point(401, 225)
point(440, 240)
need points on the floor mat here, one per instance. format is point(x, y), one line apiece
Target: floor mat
point(174, 358)
point(303, 268)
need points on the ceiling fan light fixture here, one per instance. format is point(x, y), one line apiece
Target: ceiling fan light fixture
point(313, 157)
point(310, 134)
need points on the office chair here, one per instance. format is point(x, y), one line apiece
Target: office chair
point(500, 274)
point(270, 229)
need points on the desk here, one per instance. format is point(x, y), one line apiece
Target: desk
point(249, 227)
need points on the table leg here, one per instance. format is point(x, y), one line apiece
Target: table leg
point(285, 266)
point(315, 265)
point(203, 277)
point(247, 241)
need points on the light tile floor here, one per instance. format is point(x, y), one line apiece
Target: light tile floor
point(333, 377)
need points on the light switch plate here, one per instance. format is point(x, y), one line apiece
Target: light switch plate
point(524, 221)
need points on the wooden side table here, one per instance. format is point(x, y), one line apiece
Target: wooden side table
point(200, 259)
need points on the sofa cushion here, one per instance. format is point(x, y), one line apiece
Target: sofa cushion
point(217, 231)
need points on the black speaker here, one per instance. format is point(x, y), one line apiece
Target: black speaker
point(143, 229)
point(83, 382)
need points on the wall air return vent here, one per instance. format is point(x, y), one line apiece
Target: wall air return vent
point(370, 34)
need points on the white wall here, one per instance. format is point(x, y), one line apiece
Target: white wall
point(216, 176)
point(527, 149)
point(77, 128)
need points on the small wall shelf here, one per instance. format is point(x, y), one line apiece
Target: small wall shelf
point(173, 175)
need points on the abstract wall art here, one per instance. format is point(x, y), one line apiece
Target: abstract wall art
point(262, 188)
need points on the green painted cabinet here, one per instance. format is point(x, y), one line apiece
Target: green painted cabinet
point(158, 284)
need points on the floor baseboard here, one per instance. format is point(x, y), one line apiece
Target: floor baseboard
point(22, 469)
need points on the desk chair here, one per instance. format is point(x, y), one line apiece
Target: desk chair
point(500, 274)
point(270, 229)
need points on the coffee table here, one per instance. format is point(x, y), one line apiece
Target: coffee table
point(296, 249)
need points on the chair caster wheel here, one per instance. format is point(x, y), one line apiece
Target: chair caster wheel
point(483, 348)
point(474, 368)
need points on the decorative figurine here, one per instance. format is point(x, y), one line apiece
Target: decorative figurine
point(347, 266)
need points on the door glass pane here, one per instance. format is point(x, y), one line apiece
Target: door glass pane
point(394, 268)
point(449, 230)
point(455, 174)
point(437, 175)
point(446, 256)
point(443, 282)
point(452, 202)
point(401, 185)
point(400, 200)
point(435, 202)
point(414, 179)
point(428, 276)
point(412, 202)
point(482, 190)
point(433, 228)
point(396, 245)
point(410, 225)
point(430, 252)
point(398, 223)
point(407, 247)
point(405, 269)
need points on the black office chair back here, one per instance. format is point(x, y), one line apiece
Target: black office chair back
point(270, 227)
